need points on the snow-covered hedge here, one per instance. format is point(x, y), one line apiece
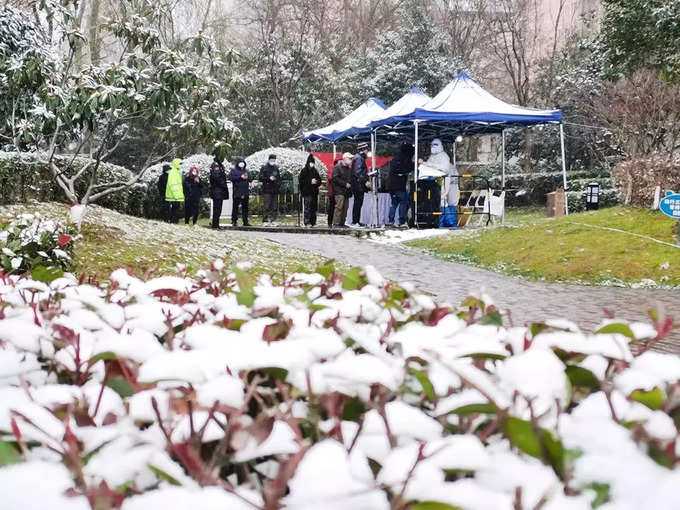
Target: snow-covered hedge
point(535, 186)
point(322, 391)
point(200, 161)
point(32, 243)
point(290, 161)
point(25, 176)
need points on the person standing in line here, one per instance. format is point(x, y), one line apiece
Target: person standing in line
point(174, 192)
point(219, 191)
point(330, 207)
point(360, 182)
point(240, 177)
point(310, 181)
point(162, 185)
point(193, 189)
point(342, 189)
point(270, 177)
point(400, 169)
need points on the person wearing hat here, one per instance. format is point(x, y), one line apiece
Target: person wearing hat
point(162, 184)
point(240, 177)
point(174, 191)
point(360, 181)
point(310, 182)
point(342, 189)
point(219, 191)
point(270, 177)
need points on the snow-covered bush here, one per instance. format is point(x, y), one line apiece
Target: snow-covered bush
point(26, 176)
point(32, 243)
point(200, 161)
point(322, 391)
point(290, 161)
point(637, 178)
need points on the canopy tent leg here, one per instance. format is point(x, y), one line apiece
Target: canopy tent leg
point(503, 160)
point(503, 172)
point(564, 170)
point(415, 175)
point(374, 181)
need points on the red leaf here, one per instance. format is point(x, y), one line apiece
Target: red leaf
point(63, 240)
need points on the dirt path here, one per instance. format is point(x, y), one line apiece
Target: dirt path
point(451, 282)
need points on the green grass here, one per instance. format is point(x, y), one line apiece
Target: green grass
point(110, 240)
point(572, 248)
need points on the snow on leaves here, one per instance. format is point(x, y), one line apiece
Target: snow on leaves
point(169, 393)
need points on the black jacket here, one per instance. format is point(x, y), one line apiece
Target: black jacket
point(218, 182)
point(241, 185)
point(308, 173)
point(359, 174)
point(266, 172)
point(162, 184)
point(400, 168)
point(192, 189)
point(342, 175)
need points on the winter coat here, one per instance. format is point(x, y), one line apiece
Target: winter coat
point(307, 189)
point(329, 180)
point(241, 186)
point(174, 191)
point(218, 182)
point(268, 186)
point(193, 190)
point(162, 184)
point(342, 175)
point(359, 174)
point(400, 168)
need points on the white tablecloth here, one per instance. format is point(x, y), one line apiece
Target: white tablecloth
point(368, 209)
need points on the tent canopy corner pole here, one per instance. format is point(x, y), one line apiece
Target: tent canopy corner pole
point(503, 158)
point(334, 153)
point(375, 180)
point(415, 175)
point(564, 169)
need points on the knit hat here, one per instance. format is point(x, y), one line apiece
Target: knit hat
point(272, 156)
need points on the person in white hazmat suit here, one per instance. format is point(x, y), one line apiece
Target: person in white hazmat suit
point(440, 160)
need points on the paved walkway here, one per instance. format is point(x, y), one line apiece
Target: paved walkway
point(451, 282)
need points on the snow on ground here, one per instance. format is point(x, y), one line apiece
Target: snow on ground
point(411, 234)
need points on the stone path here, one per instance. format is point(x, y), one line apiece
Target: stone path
point(451, 282)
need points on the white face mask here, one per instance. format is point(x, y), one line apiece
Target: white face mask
point(311, 165)
point(241, 164)
point(272, 161)
point(348, 162)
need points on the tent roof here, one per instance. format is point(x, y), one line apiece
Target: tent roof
point(403, 108)
point(359, 118)
point(464, 100)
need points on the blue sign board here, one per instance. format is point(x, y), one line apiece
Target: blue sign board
point(670, 205)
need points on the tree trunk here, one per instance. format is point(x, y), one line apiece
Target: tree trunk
point(93, 28)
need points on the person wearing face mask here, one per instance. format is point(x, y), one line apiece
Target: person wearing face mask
point(270, 177)
point(342, 189)
point(219, 191)
point(240, 177)
point(310, 181)
point(360, 182)
point(193, 189)
point(174, 192)
point(330, 207)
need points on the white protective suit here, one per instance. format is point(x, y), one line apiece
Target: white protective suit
point(440, 160)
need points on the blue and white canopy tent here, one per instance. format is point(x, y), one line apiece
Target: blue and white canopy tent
point(462, 108)
point(349, 125)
